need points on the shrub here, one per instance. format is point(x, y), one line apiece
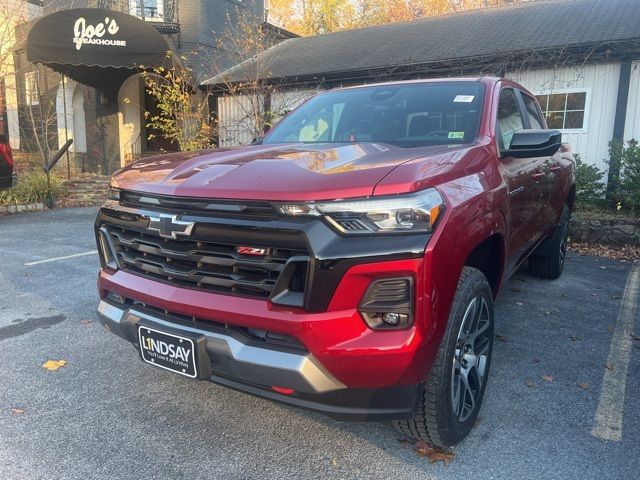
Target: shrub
point(629, 183)
point(589, 184)
point(32, 188)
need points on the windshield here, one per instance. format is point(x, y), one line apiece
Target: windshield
point(407, 115)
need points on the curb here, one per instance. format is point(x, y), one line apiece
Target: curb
point(29, 207)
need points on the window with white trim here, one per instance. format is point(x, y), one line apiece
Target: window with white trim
point(31, 88)
point(151, 10)
point(565, 110)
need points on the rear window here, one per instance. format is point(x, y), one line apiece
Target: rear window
point(406, 115)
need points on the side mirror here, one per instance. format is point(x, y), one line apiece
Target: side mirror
point(256, 140)
point(534, 143)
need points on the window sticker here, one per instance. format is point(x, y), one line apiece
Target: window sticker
point(456, 134)
point(464, 98)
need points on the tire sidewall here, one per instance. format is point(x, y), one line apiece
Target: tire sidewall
point(451, 430)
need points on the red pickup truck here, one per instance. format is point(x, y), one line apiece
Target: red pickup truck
point(348, 262)
point(7, 178)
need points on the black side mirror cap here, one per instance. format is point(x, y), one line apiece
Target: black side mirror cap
point(534, 143)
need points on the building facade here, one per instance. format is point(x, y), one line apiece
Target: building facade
point(89, 90)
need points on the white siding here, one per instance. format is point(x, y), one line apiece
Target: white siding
point(632, 124)
point(236, 114)
point(235, 122)
point(601, 81)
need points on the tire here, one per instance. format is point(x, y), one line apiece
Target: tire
point(547, 261)
point(439, 420)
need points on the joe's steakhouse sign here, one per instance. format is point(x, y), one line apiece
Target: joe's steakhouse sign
point(99, 34)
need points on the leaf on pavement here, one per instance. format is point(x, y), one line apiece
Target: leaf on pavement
point(529, 383)
point(610, 328)
point(501, 338)
point(434, 454)
point(574, 338)
point(535, 360)
point(584, 386)
point(53, 365)
point(547, 378)
point(608, 366)
point(85, 322)
point(635, 337)
point(519, 304)
point(16, 410)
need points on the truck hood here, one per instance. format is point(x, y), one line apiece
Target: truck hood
point(271, 172)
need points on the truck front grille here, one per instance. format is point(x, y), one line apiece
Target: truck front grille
point(206, 265)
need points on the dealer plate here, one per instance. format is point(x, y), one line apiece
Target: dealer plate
point(168, 351)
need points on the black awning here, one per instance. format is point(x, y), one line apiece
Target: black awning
point(95, 46)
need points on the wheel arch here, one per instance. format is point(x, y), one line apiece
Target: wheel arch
point(488, 256)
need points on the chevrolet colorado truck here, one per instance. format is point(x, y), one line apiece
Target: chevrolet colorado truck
point(7, 178)
point(346, 263)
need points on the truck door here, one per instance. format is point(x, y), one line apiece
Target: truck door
point(524, 178)
point(550, 184)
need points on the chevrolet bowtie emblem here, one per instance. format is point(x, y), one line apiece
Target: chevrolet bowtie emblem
point(169, 226)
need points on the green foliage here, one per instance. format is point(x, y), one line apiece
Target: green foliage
point(589, 181)
point(628, 190)
point(181, 115)
point(31, 188)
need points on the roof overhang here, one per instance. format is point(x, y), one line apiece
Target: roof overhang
point(95, 46)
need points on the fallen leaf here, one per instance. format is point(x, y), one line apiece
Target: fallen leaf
point(583, 386)
point(85, 322)
point(501, 338)
point(574, 338)
point(535, 360)
point(635, 337)
point(16, 410)
point(529, 384)
point(434, 454)
point(602, 267)
point(53, 365)
point(519, 303)
point(594, 294)
point(334, 463)
point(610, 328)
point(564, 295)
point(547, 378)
point(608, 366)
point(546, 313)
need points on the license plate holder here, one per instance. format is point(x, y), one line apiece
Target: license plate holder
point(168, 351)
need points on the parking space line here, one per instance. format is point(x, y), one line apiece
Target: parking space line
point(609, 415)
point(65, 257)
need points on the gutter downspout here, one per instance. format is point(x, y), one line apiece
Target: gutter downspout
point(619, 123)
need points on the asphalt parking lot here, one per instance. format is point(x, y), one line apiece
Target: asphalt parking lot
point(565, 376)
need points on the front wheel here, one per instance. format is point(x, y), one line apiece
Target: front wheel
point(453, 392)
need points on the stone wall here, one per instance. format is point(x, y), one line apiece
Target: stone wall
point(606, 231)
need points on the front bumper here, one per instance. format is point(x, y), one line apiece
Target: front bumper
point(229, 358)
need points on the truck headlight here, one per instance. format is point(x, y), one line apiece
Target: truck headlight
point(113, 193)
point(412, 213)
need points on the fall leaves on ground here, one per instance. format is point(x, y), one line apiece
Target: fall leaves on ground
point(53, 365)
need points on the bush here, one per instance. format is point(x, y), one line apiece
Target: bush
point(629, 184)
point(589, 185)
point(32, 188)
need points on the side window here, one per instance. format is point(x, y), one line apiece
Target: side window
point(532, 112)
point(509, 119)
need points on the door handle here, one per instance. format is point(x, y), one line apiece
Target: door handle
point(538, 175)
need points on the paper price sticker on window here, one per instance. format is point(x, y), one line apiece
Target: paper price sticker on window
point(464, 98)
